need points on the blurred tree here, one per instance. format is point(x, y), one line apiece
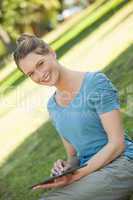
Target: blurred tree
point(61, 6)
point(17, 16)
point(6, 40)
point(91, 1)
point(86, 3)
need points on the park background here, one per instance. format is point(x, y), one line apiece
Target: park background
point(86, 35)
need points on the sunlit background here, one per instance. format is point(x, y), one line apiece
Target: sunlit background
point(86, 35)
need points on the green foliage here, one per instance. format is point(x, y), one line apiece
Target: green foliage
point(2, 49)
point(16, 15)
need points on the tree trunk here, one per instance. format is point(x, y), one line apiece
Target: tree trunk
point(6, 40)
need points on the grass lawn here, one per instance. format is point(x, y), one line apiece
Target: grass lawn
point(30, 144)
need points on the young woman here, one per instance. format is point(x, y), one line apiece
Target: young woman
point(85, 110)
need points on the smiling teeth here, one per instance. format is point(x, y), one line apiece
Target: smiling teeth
point(47, 76)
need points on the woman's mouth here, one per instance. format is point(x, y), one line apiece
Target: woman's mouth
point(46, 77)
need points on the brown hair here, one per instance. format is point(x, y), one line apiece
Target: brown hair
point(26, 44)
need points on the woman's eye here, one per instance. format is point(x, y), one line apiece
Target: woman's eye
point(31, 74)
point(41, 63)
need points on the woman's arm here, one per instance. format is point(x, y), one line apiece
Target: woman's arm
point(112, 124)
point(71, 152)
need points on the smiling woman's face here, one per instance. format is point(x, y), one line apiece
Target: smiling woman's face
point(42, 69)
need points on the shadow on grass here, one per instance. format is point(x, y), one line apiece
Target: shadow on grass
point(120, 71)
point(82, 35)
point(30, 163)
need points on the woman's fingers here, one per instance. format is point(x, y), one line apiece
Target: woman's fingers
point(49, 185)
point(55, 171)
point(62, 181)
point(58, 167)
point(59, 164)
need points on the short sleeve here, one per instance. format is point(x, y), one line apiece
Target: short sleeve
point(104, 95)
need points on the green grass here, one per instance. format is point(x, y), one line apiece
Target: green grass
point(32, 160)
point(2, 49)
point(30, 163)
point(120, 71)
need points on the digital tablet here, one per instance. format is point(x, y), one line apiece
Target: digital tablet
point(49, 179)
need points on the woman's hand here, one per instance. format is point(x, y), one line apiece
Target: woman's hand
point(59, 167)
point(60, 181)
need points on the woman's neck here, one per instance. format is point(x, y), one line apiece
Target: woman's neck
point(69, 81)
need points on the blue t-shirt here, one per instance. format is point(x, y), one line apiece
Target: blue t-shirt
point(79, 122)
